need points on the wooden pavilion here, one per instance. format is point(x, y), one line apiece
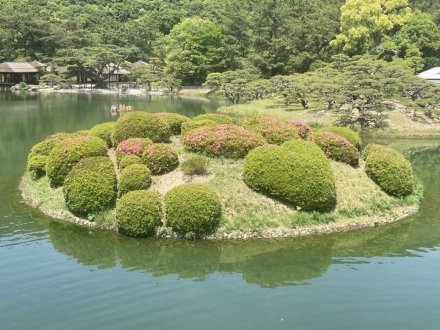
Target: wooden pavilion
point(12, 73)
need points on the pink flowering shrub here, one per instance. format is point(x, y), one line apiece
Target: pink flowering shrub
point(274, 130)
point(160, 158)
point(132, 146)
point(231, 141)
point(337, 148)
point(304, 130)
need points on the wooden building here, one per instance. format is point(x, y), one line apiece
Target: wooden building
point(112, 73)
point(12, 73)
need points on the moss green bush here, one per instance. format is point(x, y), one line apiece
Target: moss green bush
point(44, 147)
point(370, 149)
point(231, 141)
point(274, 130)
point(70, 151)
point(37, 166)
point(174, 120)
point(303, 147)
point(132, 146)
point(90, 186)
point(134, 177)
point(104, 131)
point(304, 180)
point(141, 125)
point(215, 117)
point(160, 158)
point(193, 209)
point(351, 136)
point(191, 125)
point(139, 213)
point(337, 148)
point(129, 160)
point(391, 171)
point(195, 165)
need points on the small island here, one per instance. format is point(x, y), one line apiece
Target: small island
point(218, 177)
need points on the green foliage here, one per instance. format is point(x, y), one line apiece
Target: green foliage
point(141, 125)
point(193, 209)
point(160, 158)
point(174, 120)
point(70, 151)
point(139, 213)
point(50, 79)
point(194, 165)
point(134, 177)
point(215, 117)
point(44, 147)
point(390, 170)
point(302, 179)
point(191, 125)
point(337, 148)
point(104, 131)
point(90, 186)
point(37, 166)
point(303, 147)
point(129, 160)
point(350, 135)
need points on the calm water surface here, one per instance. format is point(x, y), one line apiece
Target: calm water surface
point(58, 276)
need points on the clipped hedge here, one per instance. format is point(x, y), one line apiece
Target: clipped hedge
point(229, 141)
point(104, 131)
point(391, 171)
point(194, 165)
point(274, 130)
point(160, 158)
point(132, 146)
point(70, 151)
point(139, 213)
point(193, 209)
point(129, 160)
point(351, 136)
point(304, 130)
point(189, 126)
point(174, 120)
point(303, 147)
point(90, 186)
point(37, 166)
point(134, 177)
point(304, 180)
point(141, 125)
point(215, 117)
point(337, 148)
point(44, 147)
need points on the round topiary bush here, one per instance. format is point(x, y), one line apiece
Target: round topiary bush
point(191, 125)
point(215, 117)
point(193, 209)
point(129, 160)
point(303, 147)
point(391, 171)
point(160, 158)
point(194, 165)
point(44, 147)
point(230, 141)
point(104, 131)
point(370, 149)
point(274, 130)
point(134, 177)
point(351, 136)
point(141, 125)
point(132, 146)
point(37, 166)
point(304, 130)
point(139, 213)
point(90, 186)
point(337, 148)
point(304, 180)
point(174, 120)
point(69, 152)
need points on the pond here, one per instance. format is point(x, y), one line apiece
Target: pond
point(57, 276)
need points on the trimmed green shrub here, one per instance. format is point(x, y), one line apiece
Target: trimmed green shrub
point(134, 177)
point(141, 125)
point(191, 125)
point(69, 152)
point(370, 149)
point(132, 146)
point(160, 158)
point(303, 147)
point(139, 213)
point(215, 117)
point(193, 209)
point(44, 147)
point(304, 130)
point(230, 141)
point(37, 166)
point(104, 131)
point(90, 186)
point(391, 171)
point(304, 180)
point(194, 165)
point(129, 160)
point(274, 130)
point(337, 148)
point(351, 136)
point(174, 120)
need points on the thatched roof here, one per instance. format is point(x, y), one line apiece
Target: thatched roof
point(111, 69)
point(431, 74)
point(17, 67)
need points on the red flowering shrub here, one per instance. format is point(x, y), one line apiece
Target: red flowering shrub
point(133, 146)
point(337, 148)
point(160, 158)
point(230, 141)
point(304, 130)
